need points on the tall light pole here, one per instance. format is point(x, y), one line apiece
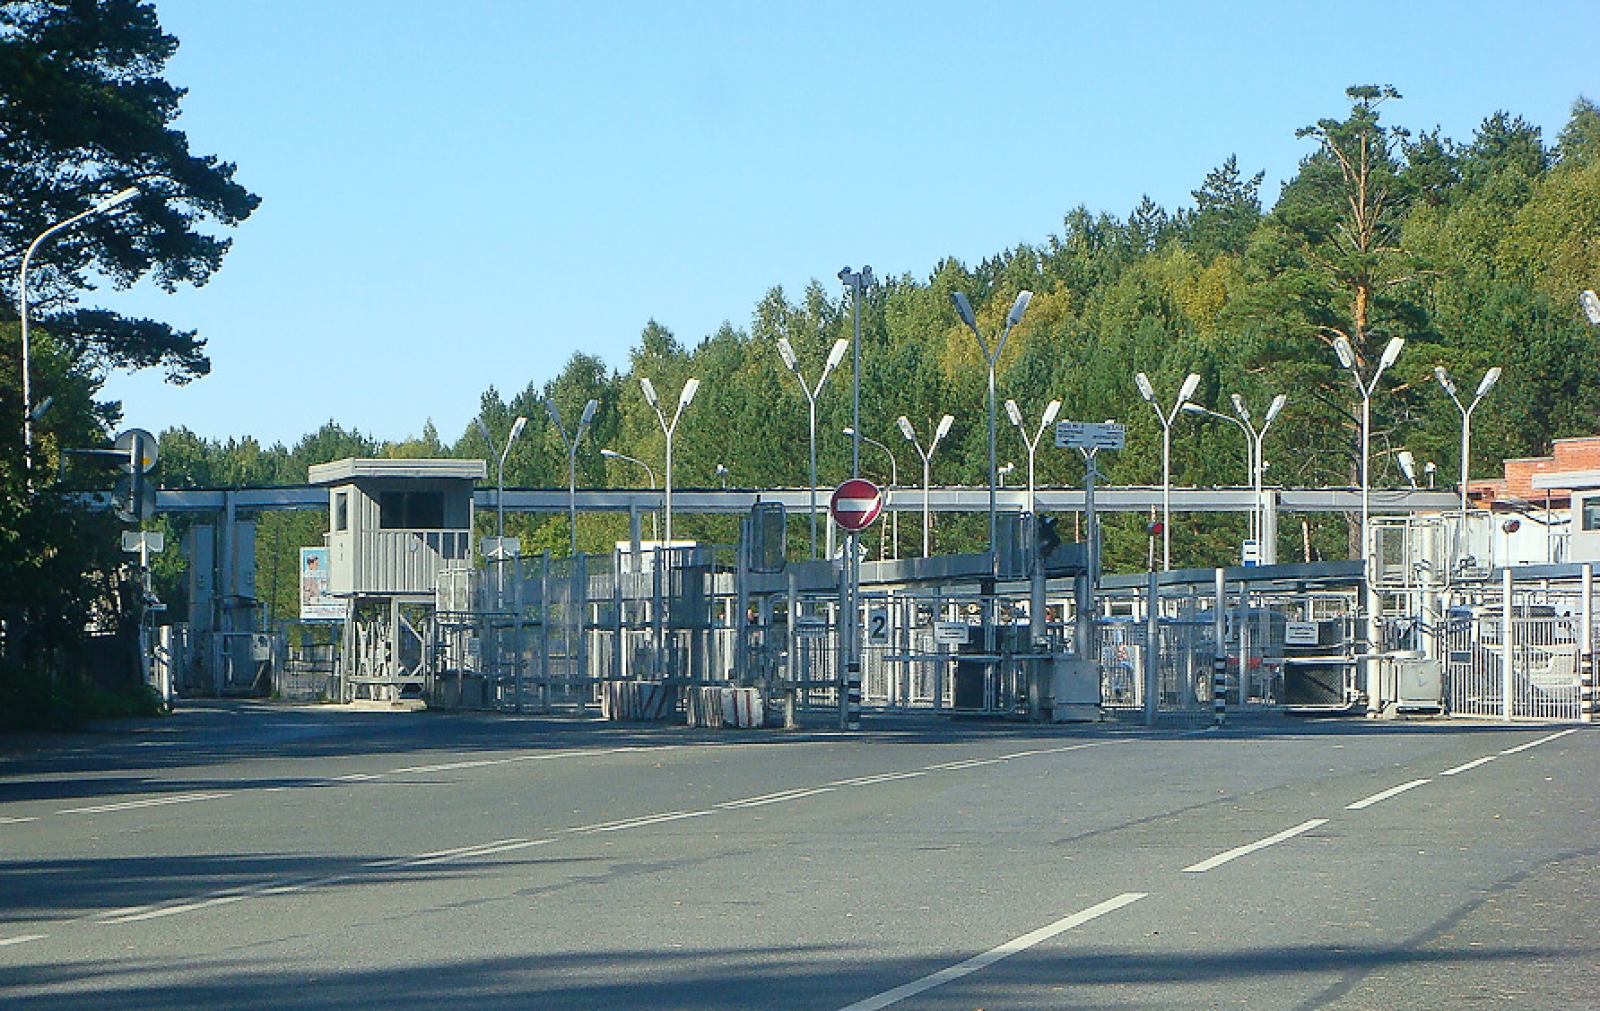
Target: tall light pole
point(927, 469)
point(858, 280)
point(964, 310)
point(1014, 412)
point(834, 358)
point(668, 429)
point(1484, 386)
point(572, 458)
point(1347, 358)
point(1267, 547)
point(500, 468)
point(1166, 418)
point(115, 200)
point(650, 471)
point(894, 481)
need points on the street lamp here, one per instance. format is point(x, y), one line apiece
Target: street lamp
point(858, 280)
point(927, 470)
point(115, 200)
point(834, 358)
point(667, 429)
point(612, 454)
point(572, 459)
point(1254, 459)
point(1484, 386)
point(1015, 414)
point(1347, 358)
point(894, 481)
point(1149, 394)
point(500, 468)
point(964, 309)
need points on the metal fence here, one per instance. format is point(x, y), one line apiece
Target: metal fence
point(541, 634)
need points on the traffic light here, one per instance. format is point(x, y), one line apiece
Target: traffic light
point(1045, 535)
point(1154, 528)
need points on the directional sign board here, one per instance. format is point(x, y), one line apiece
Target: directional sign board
point(855, 504)
point(1090, 436)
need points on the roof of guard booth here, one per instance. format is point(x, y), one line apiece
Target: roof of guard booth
point(353, 468)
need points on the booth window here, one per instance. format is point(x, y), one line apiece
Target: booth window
point(411, 510)
point(341, 511)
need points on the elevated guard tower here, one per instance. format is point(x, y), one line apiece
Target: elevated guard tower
point(393, 527)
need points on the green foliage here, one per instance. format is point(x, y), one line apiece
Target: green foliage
point(1472, 251)
point(85, 114)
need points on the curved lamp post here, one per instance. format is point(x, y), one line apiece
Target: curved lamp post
point(1166, 418)
point(668, 429)
point(927, 470)
point(964, 310)
point(115, 200)
point(1255, 464)
point(834, 358)
point(1014, 412)
point(572, 459)
point(894, 482)
point(612, 454)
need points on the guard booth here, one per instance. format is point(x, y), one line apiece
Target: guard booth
point(393, 527)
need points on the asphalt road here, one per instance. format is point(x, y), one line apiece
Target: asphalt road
point(251, 855)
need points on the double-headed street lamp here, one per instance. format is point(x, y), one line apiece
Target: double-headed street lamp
point(894, 481)
point(834, 358)
point(1484, 386)
point(614, 455)
point(115, 200)
point(1347, 359)
point(667, 429)
point(1015, 414)
point(1166, 418)
point(964, 310)
point(572, 458)
point(927, 470)
point(500, 468)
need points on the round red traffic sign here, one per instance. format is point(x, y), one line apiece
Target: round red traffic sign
point(855, 504)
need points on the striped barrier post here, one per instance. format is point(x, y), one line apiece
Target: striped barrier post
point(852, 716)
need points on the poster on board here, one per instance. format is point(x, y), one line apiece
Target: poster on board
point(316, 604)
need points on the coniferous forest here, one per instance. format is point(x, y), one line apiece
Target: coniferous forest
point(1472, 249)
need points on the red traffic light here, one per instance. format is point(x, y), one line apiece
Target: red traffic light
point(1154, 528)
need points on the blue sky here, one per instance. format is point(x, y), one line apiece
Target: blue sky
point(458, 196)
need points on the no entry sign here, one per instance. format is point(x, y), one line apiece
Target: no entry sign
point(855, 504)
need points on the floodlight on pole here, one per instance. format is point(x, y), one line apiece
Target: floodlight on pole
point(1347, 359)
point(668, 429)
point(1014, 412)
point(964, 310)
point(1148, 392)
point(500, 467)
point(859, 281)
point(792, 363)
point(572, 459)
point(28, 415)
point(1484, 386)
point(927, 468)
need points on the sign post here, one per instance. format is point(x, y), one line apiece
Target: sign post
point(854, 505)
